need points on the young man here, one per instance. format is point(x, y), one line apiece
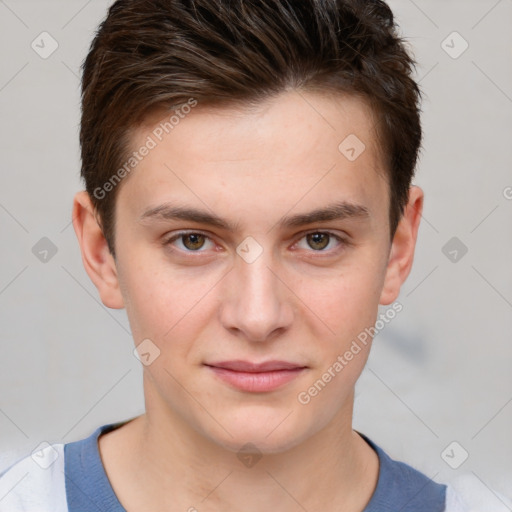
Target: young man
point(248, 200)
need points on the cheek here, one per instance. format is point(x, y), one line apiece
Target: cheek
point(350, 301)
point(165, 305)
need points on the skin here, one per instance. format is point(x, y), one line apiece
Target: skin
point(299, 301)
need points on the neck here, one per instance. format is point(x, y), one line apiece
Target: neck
point(174, 467)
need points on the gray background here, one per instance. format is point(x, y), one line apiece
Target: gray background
point(439, 372)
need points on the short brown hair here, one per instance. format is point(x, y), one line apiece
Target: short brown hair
point(150, 54)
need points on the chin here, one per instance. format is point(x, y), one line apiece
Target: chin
point(268, 433)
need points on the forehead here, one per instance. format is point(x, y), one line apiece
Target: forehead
point(293, 148)
point(294, 115)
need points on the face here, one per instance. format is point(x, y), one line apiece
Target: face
point(249, 237)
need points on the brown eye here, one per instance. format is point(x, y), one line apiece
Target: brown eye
point(190, 242)
point(322, 242)
point(193, 241)
point(318, 241)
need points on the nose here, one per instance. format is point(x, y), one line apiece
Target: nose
point(256, 302)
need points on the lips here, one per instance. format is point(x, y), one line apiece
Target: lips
point(246, 366)
point(256, 377)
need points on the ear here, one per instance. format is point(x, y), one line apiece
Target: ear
point(97, 259)
point(402, 248)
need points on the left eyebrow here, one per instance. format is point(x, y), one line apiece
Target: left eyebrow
point(337, 211)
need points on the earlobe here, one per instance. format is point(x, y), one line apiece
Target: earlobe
point(402, 249)
point(97, 259)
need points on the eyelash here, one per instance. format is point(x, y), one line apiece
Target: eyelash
point(342, 241)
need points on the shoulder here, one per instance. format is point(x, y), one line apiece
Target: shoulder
point(400, 485)
point(467, 493)
point(59, 478)
point(35, 483)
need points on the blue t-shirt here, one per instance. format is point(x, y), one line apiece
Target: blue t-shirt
point(71, 478)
